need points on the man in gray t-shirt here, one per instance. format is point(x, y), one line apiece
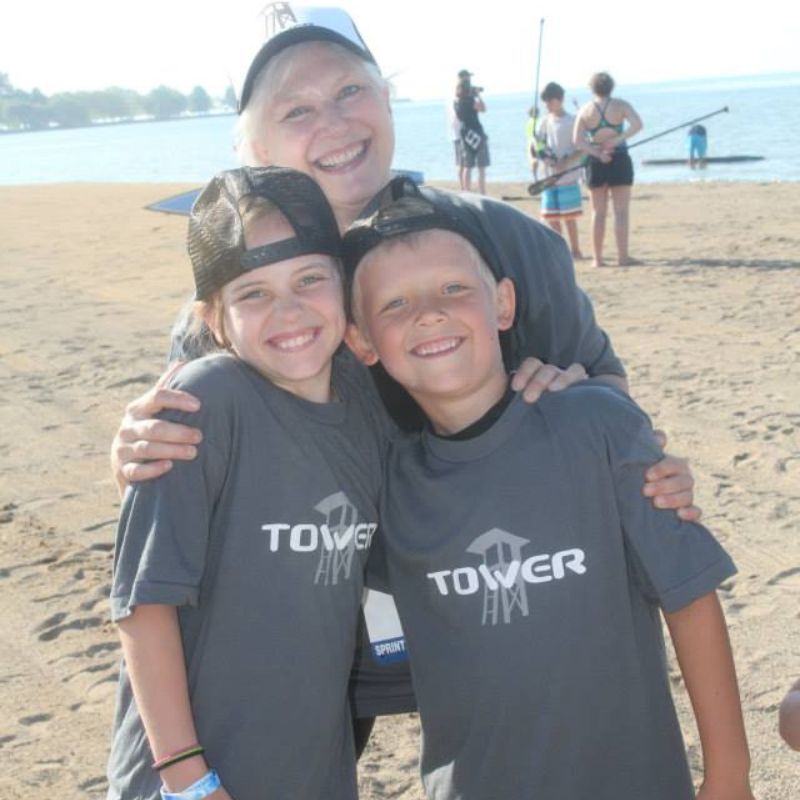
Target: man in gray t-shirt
point(265, 565)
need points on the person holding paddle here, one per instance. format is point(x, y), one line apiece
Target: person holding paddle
point(602, 128)
point(561, 202)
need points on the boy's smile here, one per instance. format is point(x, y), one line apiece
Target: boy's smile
point(426, 311)
point(437, 347)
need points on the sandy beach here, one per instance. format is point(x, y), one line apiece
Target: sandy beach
point(709, 328)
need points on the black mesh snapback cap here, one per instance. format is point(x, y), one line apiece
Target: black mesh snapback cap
point(215, 239)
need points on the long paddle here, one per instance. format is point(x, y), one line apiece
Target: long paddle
point(536, 94)
point(539, 186)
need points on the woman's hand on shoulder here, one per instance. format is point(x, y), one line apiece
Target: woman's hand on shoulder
point(535, 377)
point(670, 484)
point(144, 447)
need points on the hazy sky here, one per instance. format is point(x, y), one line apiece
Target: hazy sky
point(91, 44)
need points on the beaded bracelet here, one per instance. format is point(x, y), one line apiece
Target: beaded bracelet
point(207, 785)
point(176, 758)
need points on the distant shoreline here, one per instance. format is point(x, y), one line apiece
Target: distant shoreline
point(115, 123)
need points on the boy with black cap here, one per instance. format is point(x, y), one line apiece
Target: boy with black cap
point(238, 576)
point(527, 568)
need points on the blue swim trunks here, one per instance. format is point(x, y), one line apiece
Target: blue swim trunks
point(561, 202)
point(697, 145)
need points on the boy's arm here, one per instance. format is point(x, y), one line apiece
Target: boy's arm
point(151, 643)
point(703, 649)
point(789, 717)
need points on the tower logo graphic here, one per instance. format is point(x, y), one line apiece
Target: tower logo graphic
point(500, 549)
point(277, 17)
point(505, 574)
point(335, 539)
point(340, 516)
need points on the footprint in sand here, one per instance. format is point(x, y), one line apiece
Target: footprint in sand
point(34, 719)
point(788, 463)
point(101, 648)
point(90, 669)
point(57, 596)
point(102, 691)
point(746, 611)
point(145, 378)
point(7, 513)
point(106, 523)
point(54, 631)
point(98, 782)
point(782, 576)
point(56, 619)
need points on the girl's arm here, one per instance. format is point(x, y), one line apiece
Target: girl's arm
point(151, 643)
point(701, 643)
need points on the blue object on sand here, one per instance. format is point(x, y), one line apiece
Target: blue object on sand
point(176, 204)
point(182, 203)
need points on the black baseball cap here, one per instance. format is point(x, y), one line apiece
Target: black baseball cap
point(405, 209)
point(286, 24)
point(216, 241)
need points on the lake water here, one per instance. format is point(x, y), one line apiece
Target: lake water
point(764, 119)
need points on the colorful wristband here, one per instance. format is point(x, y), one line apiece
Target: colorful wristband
point(209, 783)
point(175, 758)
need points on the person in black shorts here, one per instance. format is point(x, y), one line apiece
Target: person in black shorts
point(474, 141)
point(602, 127)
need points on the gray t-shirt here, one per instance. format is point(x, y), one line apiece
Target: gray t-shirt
point(261, 543)
point(556, 134)
point(528, 570)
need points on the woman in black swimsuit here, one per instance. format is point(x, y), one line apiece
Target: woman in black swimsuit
point(601, 129)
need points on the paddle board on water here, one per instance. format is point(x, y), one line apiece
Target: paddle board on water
point(671, 162)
